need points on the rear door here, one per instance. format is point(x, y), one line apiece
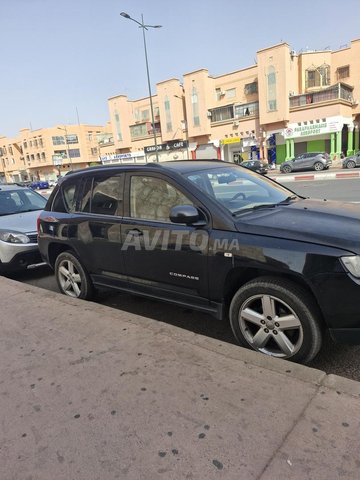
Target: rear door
point(98, 218)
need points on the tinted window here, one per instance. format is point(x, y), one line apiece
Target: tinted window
point(152, 198)
point(107, 196)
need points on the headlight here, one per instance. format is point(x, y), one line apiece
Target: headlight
point(352, 264)
point(11, 237)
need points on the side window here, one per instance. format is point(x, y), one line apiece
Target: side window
point(107, 196)
point(153, 198)
point(65, 200)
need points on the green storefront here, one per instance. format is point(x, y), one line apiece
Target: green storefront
point(332, 135)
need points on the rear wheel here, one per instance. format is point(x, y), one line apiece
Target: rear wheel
point(72, 278)
point(286, 169)
point(278, 318)
point(318, 166)
point(350, 164)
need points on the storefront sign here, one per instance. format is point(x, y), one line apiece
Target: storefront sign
point(58, 159)
point(163, 147)
point(294, 131)
point(228, 141)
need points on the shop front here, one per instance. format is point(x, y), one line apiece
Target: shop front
point(237, 149)
point(333, 135)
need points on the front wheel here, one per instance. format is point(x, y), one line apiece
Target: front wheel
point(318, 166)
point(72, 278)
point(278, 318)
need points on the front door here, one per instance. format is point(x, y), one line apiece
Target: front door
point(161, 256)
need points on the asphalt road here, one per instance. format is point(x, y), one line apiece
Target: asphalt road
point(333, 358)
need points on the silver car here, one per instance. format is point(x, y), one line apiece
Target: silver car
point(19, 210)
point(352, 161)
point(307, 161)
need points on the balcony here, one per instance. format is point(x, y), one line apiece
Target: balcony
point(332, 94)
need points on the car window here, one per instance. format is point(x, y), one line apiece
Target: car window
point(107, 196)
point(152, 198)
point(18, 201)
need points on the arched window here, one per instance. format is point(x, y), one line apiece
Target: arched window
point(168, 114)
point(195, 107)
point(271, 89)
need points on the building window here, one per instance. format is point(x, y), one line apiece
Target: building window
point(137, 131)
point(222, 114)
point(251, 88)
point(317, 76)
point(195, 107)
point(72, 139)
point(38, 157)
point(58, 140)
point(168, 115)
point(35, 143)
point(10, 150)
point(246, 110)
point(94, 151)
point(32, 157)
point(43, 157)
point(137, 115)
point(156, 112)
point(41, 142)
point(74, 152)
point(31, 143)
point(145, 115)
point(343, 72)
point(90, 136)
point(118, 127)
point(230, 93)
point(271, 89)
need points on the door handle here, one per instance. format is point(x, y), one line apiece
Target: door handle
point(135, 232)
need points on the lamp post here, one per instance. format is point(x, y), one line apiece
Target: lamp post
point(182, 98)
point(146, 27)
point(67, 145)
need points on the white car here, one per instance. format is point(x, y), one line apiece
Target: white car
point(19, 210)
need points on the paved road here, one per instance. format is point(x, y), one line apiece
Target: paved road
point(333, 358)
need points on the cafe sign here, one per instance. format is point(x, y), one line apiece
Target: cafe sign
point(165, 147)
point(295, 130)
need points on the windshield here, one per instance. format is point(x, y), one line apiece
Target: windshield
point(20, 201)
point(238, 189)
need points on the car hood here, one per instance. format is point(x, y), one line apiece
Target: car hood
point(325, 222)
point(20, 222)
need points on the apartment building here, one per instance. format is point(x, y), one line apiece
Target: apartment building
point(47, 153)
point(286, 104)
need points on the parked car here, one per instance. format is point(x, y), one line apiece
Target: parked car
point(19, 210)
point(352, 161)
point(256, 166)
point(307, 161)
point(216, 237)
point(39, 185)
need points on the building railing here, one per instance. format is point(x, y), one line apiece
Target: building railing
point(340, 91)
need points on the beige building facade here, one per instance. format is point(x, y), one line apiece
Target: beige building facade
point(46, 153)
point(286, 104)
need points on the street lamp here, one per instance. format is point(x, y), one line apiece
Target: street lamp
point(67, 145)
point(146, 27)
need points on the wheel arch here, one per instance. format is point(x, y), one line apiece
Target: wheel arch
point(237, 277)
point(54, 251)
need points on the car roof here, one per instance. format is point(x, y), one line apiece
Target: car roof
point(180, 166)
point(11, 186)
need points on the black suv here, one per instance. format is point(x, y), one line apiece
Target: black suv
point(216, 237)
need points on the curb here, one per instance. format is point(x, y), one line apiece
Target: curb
point(248, 357)
point(312, 176)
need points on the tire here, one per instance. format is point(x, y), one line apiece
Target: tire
point(318, 166)
point(286, 169)
point(350, 164)
point(72, 278)
point(257, 318)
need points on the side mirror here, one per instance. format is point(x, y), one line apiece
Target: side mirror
point(184, 214)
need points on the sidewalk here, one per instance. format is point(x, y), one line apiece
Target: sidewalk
point(91, 393)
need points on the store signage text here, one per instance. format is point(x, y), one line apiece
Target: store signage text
point(228, 141)
point(312, 129)
point(175, 145)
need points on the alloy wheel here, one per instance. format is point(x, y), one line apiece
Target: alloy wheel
point(69, 279)
point(318, 166)
point(350, 164)
point(270, 326)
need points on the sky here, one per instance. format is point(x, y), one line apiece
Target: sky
point(60, 60)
